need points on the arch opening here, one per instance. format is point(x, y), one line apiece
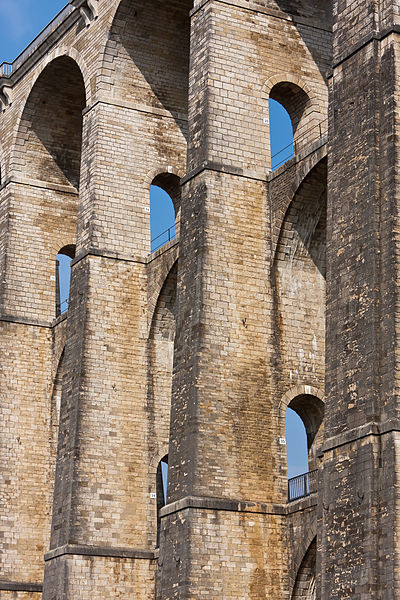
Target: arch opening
point(305, 584)
point(161, 487)
point(165, 202)
point(291, 121)
point(304, 435)
point(160, 352)
point(48, 148)
point(300, 287)
point(51, 124)
point(63, 278)
point(281, 134)
point(304, 417)
point(295, 101)
point(296, 444)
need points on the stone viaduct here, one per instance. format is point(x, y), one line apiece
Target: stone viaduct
point(279, 290)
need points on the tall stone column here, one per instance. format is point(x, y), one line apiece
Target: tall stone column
point(360, 548)
point(222, 534)
point(104, 517)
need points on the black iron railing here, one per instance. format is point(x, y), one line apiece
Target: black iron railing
point(302, 486)
point(163, 238)
point(61, 307)
point(291, 149)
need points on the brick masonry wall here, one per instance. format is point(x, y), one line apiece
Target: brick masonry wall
point(113, 577)
point(129, 141)
point(254, 39)
point(229, 548)
point(25, 450)
point(7, 595)
point(116, 368)
point(361, 461)
point(225, 416)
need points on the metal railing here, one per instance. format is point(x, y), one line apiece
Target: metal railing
point(163, 238)
point(64, 305)
point(302, 485)
point(7, 68)
point(292, 148)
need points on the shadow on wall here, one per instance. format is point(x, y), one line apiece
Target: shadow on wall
point(303, 233)
point(319, 14)
point(154, 38)
point(305, 588)
point(53, 117)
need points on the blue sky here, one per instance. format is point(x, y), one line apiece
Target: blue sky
point(20, 22)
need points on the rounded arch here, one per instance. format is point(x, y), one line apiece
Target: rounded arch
point(295, 100)
point(303, 170)
point(160, 170)
point(158, 457)
point(309, 404)
point(163, 321)
point(49, 136)
point(299, 390)
point(59, 52)
point(309, 535)
point(171, 184)
point(300, 102)
point(76, 56)
point(281, 78)
point(63, 277)
point(168, 180)
point(310, 409)
point(68, 250)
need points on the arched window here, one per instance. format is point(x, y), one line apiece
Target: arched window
point(304, 418)
point(165, 198)
point(289, 106)
point(63, 278)
point(161, 486)
point(296, 445)
point(281, 134)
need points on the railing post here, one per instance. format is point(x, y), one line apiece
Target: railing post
point(301, 486)
point(58, 297)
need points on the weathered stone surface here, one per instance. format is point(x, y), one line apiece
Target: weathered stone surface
point(197, 350)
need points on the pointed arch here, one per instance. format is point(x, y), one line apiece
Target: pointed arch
point(305, 584)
